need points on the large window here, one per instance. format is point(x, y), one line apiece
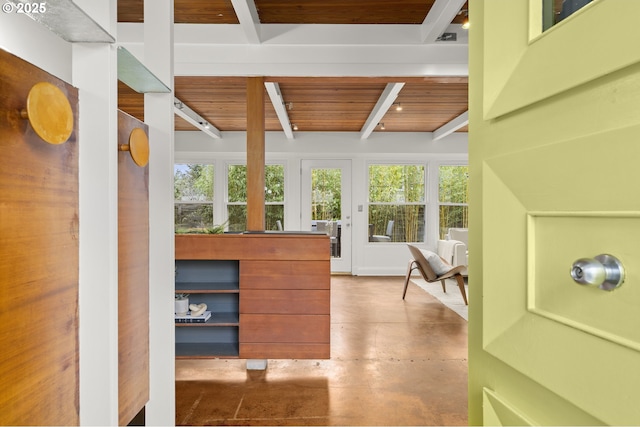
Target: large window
point(396, 203)
point(453, 197)
point(193, 195)
point(237, 197)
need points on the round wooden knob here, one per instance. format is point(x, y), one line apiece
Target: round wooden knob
point(138, 147)
point(49, 113)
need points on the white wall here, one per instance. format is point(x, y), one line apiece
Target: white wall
point(368, 258)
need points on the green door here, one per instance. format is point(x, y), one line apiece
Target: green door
point(554, 154)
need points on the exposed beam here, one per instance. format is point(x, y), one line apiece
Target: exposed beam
point(305, 50)
point(448, 128)
point(249, 20)
point(255, 154)
point(273, 89)
point(183, 110)
point(439, 18)
point(385, 101)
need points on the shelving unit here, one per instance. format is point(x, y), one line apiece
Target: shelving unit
point(269, 294)
point(217, 284)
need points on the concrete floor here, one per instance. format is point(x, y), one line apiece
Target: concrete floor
point(393, 362)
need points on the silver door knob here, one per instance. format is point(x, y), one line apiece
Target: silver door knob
point(604, 271)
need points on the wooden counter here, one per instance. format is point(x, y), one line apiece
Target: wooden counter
point(269, 294)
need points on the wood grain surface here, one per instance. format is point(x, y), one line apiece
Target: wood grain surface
point(133, 277)
point(38, 260)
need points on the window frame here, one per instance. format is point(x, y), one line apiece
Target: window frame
point(211, 202)
point(226, 203)
point(437, 192)
point(424, 204)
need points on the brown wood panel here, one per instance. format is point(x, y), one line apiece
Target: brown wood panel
point(276, 301)
point(185, 11)
point(268, 246)
point(133, 277)
point(38, 260)
point(328, 103)
point(222, 101)
point(343, 11)
point(255, 154)
point(130, 101)
point(284, 328)
point(285, 274)
point(291, 351)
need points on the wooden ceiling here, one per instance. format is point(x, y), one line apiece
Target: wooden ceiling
point(329, 104)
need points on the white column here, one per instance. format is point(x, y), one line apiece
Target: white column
point(95, 75)
point(158, 114)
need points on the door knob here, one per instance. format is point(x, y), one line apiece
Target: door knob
point(604, 271)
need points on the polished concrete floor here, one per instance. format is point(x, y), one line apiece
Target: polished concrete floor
point(393, 362)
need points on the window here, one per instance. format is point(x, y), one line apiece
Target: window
point(193, 197)
point(453, 197)
point(237, 196)
point(396, 203)
point(554, 11)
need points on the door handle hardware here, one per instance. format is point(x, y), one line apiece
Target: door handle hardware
point(604, 271)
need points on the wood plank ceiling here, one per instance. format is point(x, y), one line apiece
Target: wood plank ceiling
point(327, 104)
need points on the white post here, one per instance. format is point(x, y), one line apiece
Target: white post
point(158, 114)
point(95, 75)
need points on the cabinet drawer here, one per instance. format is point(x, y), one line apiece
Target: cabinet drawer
point(284, 351)
point(276, 301)
point(285, 274)
point(284, 328)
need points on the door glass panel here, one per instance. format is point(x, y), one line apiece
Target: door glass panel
point(554, 11)
point(326, 208)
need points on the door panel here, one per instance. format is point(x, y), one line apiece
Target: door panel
point(554, 151)
point(316, 207)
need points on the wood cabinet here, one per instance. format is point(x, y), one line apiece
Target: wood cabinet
point(281, 293)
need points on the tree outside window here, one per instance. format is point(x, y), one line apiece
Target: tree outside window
point(453, 197)
point(397, 193)
point(193, 197)
point(237, 196)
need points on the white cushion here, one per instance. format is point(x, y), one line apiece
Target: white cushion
point(437, 264)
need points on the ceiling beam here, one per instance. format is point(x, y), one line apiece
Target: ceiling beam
point(249, 20)
point(439, 18)
point(385, 101)
point(448, 128)
point(273, 89)
point(183, 110)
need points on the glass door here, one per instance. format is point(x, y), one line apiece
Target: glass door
point(326, 206)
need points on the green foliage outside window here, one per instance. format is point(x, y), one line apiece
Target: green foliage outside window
point(193, 194)
point(237, 194)
point(397, 193)
point(326, 185)
point(453, 194)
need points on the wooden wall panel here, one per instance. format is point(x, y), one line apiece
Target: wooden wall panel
point(290, 351)
point(264, 328)
point(38, 260)
point(275, 301)
point(267, 274)
point(133, 277)
point(267, 246)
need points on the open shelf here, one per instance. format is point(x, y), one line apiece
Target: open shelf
point(208, 287)
point(216, 319)
point(216, 284)
point(207, 350)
